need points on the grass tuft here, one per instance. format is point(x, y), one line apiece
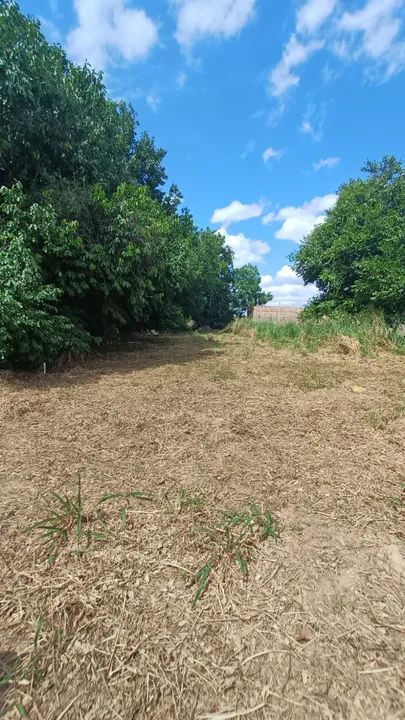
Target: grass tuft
point(187, 502)
point(363, 334)
point(234, 539)
point(126, 496)
point(398, 501)
point(202, 577)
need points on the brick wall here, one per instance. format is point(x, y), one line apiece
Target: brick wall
point(274, 313)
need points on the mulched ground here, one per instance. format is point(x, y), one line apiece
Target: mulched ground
point(204, 425)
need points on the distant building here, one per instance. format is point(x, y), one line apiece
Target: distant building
point(274, 313)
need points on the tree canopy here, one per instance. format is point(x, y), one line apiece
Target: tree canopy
point(93, 246)
point(357, 257)
point(247, 290)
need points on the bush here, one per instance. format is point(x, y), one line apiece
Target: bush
point(32, 328)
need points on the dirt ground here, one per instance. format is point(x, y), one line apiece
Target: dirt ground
point(105, 627)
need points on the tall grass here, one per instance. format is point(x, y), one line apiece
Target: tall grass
point(367, 333)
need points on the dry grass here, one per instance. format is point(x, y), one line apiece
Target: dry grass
point(205, 425)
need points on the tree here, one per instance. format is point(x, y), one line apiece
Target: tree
point(247, 289)
point(208, 297)
point(33, 328)
point(55, 117)
point(145, 166)
point(357, 257)
point(93, 245)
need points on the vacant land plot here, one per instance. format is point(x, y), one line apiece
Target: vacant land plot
point(247, 559)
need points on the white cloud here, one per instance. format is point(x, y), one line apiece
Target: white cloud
point(329, 162)
point(288, 288)
point(50, 30)
point(267, 280)
point(249, 148)
point(236, 212)
point(329, 74)
point(245, 249)
point(270, 153)
point(197, 18)
point(295, 53)
point(308, 129)
point(371, 33)
point(153, 101)
point(181, 79)
point(287, 275)
point(107, 28)
point(380, 25)
point(298, 222)
point(312, 15)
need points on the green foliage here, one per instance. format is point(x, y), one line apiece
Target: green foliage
point(92, 247)
point(310, 333)
point(209, 294)
point(357, 257)
point(55, 118)
point(247, 290)
point(32, 327)
point(145, 166)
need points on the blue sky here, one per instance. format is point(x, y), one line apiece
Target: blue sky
point(264, 106)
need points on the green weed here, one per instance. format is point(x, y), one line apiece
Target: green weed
point(68, 521)
point(202, 578)
point(398, 501)
point(26, 672)
point(126, 496)
point(190, 503)
point(21, 710)
point(379, 419)
point(235, 538)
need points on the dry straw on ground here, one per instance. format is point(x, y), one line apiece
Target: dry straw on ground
point(203, 424)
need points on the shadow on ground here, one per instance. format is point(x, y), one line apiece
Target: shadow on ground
point(140, 354)
point(8, 661)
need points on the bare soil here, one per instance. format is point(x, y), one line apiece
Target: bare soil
point(205, 424)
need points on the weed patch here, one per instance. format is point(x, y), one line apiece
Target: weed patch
point(187, 502)
point(69, 523)
point(364, 334)
point(398, 501)
point(233, 540)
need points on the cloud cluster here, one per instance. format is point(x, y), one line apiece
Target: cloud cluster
point(108, 28)
point(236, 212)
point(271, 153)
point(329, 162)
point(379, 24)
point(199, 18)
point(312, 15)
point(245, 250)
point(371, 33)
point(295, 53)
point(288, 288)
point(298, 222)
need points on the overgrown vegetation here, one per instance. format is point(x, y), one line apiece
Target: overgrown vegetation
point(93, 243)
point(357, 257)
point(247, 290)
point(366, 333)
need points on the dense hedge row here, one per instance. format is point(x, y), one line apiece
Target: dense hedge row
point(92, 245)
